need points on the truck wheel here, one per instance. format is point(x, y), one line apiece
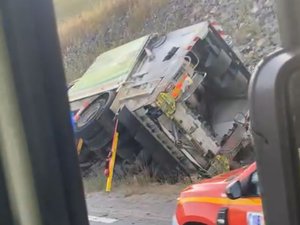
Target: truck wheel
point(128, 152)
point(99, 141)
point(87, 124)
point(84, 155)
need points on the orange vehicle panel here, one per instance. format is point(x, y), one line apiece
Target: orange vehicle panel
point(202, 202)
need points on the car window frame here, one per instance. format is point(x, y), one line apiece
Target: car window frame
point(250, 182)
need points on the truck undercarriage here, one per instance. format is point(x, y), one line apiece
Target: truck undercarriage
point(182, 107)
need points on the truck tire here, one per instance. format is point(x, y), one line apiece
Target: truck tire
point(87, 125)
point(128, 152)
point(99, 141)
point(128, 148)
point(84, 155)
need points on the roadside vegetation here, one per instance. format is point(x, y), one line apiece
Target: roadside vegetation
point(67, 9)
point(133, 185)
point(145, 179)
point(102, 25)
point(89, 27)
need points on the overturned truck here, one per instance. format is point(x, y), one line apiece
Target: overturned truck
point(180, 99)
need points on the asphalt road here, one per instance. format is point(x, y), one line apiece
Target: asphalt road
point(140, 209)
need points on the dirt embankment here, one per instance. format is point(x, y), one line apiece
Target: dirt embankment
point(251, 24)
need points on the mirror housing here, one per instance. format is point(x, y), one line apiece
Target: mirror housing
point(274, 90)
point(234, 190)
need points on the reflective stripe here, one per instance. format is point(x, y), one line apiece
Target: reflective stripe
point(221, 201)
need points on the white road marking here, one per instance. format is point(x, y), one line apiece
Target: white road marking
point(102, 219)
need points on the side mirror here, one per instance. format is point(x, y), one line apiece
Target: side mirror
point(274, 90)
point(234, 190)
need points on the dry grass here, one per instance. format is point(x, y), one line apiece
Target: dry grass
point(146, 181)
point(144, 178)
point(248, 27)
point(94, 184)
point(66, 9)
point(102, 16)
point(100, 27)
point(246, 31)
point(136, 185)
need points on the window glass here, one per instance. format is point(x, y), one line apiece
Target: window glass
point(253, 184)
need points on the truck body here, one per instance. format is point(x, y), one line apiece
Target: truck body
point(180, 98)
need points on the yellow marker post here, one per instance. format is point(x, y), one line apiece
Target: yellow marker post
point(113, 158)
point(79, 145)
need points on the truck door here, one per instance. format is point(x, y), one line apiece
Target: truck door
point(247, 210)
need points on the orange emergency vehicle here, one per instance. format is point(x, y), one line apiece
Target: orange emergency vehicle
point(232, 198)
